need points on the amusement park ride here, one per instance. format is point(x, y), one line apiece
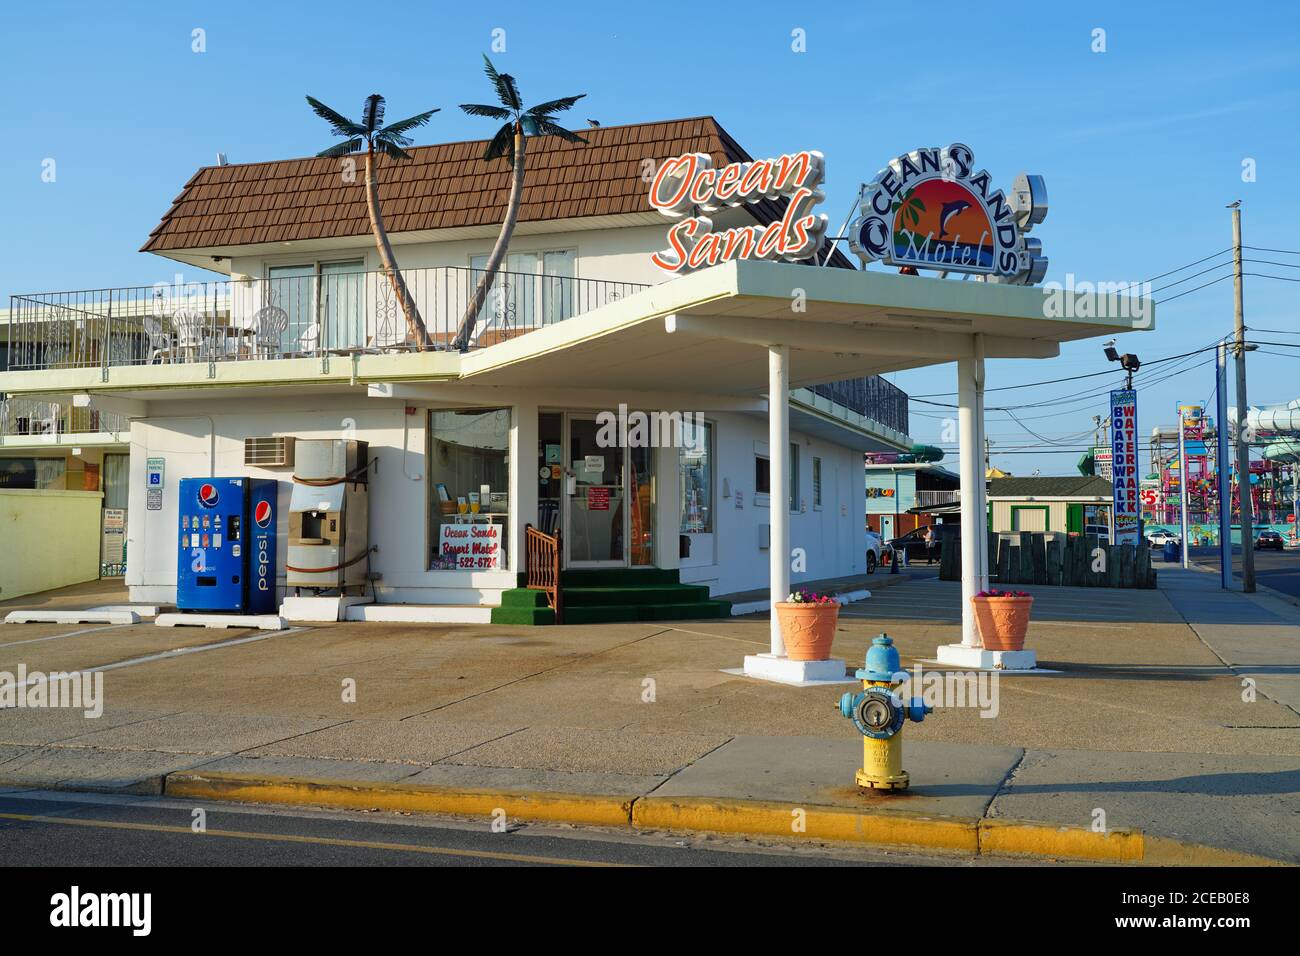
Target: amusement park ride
point(1273, 431)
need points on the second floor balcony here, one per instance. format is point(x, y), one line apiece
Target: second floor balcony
point(26, 419)
point(230, 320)
point(319, 315)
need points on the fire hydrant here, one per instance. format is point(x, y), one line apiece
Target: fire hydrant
point(879, 713)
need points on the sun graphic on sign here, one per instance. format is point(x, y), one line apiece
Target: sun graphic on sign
point(941, 221)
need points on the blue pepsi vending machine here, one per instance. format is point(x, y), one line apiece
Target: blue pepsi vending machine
point(227, 545)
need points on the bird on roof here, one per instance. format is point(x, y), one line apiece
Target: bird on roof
point(593, 123)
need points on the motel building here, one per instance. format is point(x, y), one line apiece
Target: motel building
point(666, 397)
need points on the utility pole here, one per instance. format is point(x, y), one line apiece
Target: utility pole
point(1243, 446)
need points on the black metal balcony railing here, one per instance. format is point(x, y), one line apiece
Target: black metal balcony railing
point(872, 397)
point(286, 317)
point(22, 417)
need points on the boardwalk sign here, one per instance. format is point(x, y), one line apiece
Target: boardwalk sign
point(1124, 466)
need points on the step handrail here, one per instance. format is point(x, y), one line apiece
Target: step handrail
point(542, 567)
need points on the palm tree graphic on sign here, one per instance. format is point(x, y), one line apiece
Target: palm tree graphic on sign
point(907, 209)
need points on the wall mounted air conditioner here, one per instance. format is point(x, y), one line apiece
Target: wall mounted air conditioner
point(274, 452)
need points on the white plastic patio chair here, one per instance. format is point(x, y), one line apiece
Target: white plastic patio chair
point(307, 339)
point(160, 341)
point(189, 334)
point(271, 322)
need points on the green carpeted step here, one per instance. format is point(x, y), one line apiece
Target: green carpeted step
point(523, 615)
point(523, 597)
point(615, 613)
point(703, 610)
point(664, 594)
point(619, 577)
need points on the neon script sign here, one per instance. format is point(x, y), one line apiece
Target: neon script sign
point(687, 187)
point(931, 209)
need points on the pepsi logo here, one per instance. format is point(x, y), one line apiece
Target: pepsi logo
point(208, 495)
point(262, 513)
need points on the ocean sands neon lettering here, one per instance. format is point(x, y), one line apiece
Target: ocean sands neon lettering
point(686, 187)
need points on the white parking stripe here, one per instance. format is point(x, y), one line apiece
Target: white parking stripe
point(178, 652)
point(57, 637)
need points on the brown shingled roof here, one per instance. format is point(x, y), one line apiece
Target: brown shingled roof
point(442, 186)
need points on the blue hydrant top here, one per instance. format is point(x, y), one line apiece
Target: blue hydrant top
point(882, 660)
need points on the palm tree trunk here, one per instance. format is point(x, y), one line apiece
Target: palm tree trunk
point(499, 250)
point(415, 330)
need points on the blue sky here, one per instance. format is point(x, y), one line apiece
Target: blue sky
point(1141, 145)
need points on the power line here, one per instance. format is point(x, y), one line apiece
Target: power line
point(1058, 381)
point(1189, 265)
point(1190, 291)
point(1190, 277)
point(1264, 275)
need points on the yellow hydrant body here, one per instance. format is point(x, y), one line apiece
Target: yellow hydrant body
point(879, 714)
point(882, 759)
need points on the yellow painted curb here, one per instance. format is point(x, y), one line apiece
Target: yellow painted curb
point(1163, 851)
point(815, 823)
point(968, 835)
point(411, 798)
point(1017, 838)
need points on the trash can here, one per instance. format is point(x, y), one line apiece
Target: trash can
point(1173, 551)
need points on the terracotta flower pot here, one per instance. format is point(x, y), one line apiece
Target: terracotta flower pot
point(1002, 621)
point(807, 629)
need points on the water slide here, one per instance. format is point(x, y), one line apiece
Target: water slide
point(1279, 425)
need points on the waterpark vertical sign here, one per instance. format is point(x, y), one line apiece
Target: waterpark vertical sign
point(1124, 465)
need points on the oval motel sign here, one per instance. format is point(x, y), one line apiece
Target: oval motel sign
point(932, 209)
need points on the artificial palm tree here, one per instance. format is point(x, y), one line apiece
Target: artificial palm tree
point(370, 135)
point(509, 144)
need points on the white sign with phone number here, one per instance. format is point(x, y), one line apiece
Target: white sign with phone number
point(471, 547)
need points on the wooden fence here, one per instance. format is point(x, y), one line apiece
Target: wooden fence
point(1068, 561)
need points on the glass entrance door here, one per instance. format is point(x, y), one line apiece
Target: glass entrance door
point(595, 531)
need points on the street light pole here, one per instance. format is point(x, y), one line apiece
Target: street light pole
point(1243, 446)
point(1182, 485)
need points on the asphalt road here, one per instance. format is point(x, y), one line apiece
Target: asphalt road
point(1279, 570)
point(87, 830)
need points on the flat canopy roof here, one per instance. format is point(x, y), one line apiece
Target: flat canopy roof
point(709, 330)
point(705, 333)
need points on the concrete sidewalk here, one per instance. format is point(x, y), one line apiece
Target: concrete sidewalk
point(1145, 723)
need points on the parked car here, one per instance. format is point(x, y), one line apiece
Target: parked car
point(1158, 539)
point(1269, 538)
point(877, 551)
point(913, 544)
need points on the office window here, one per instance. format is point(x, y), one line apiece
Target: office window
point(695, 466)
point(469, 483)
point(33, 473)
point(762, 476)
point(817, 482)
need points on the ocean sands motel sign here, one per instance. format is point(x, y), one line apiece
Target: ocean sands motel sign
point(687, 187)
point(932, 209)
